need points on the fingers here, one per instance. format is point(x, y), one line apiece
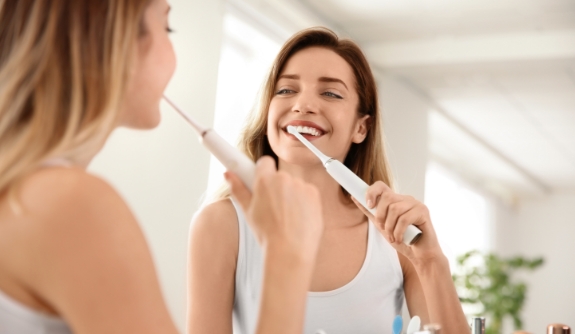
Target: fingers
point(387, 200)
point(380, 196)
point(395, 212)
point(374, 192)
point(266, 174)
point(239, 190)
point(408, 218)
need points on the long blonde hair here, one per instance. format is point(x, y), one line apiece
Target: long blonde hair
point(367, 159)
point(64, 68)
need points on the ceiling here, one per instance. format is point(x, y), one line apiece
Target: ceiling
point(375, 21)
point(499, 77)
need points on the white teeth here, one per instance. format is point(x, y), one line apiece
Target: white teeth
point(308, 130)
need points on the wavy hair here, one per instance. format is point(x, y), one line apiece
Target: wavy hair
point(64, 68)
point(367, 159)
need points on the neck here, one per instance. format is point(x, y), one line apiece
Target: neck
point(338, 209)
point(79, 158)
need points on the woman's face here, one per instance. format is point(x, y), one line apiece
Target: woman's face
point(315, 90)
point(154, 66)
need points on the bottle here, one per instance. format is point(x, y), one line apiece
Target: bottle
point(558, 329)
point(477, 325)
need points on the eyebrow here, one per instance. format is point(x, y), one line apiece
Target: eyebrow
point(322, 79)
point(169, 9)
point(328, 79)
point(289, 76)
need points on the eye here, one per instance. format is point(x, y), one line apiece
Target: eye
point(284, 91)
point(169, 30)
point(331, 94)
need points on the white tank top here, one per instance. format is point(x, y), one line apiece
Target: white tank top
point(16, 318)
point(368, 304)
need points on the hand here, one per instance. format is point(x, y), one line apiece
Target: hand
point(283, 211)
point(394, 213)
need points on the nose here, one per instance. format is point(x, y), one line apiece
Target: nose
point(306, 103)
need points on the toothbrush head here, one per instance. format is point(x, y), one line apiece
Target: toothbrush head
point(291, 129)
point(397, 325)
point(324, 158)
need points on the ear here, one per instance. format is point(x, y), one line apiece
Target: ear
point(362, 126)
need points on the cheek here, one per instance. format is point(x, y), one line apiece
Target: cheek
point(160, 65)
point(273, 118)
point(146, 88)
point(166, 62)
point(272, 130)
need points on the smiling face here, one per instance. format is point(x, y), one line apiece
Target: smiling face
point(316, 93)
point(153, 68)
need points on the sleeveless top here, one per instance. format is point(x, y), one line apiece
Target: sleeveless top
point(367, 304)
point(17, 318)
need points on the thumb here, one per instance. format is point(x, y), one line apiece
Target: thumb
point(239, 191)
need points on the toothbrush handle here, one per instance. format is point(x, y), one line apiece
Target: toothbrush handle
point(234, 160)
point(358, 189)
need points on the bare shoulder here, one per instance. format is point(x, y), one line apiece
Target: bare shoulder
point(216, 223)
point(214, 245)
point(56, 204)
point(68, 213)
point(221, 211)
point(61, 192)
point(78, 247)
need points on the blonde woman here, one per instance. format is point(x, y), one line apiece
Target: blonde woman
point(72, 256)
point(324, 86)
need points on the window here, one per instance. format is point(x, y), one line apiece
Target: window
point(461, 216)
point(246, 58)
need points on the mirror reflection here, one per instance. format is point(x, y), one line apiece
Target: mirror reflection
point(478, 111)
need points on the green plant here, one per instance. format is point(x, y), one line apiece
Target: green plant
point(485, 280)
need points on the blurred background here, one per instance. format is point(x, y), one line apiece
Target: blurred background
point(478, 100)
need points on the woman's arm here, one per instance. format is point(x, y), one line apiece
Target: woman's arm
point(437, 295)
point(213, 255)
point(427, 277)
point(212, 262)
point(87, 257)
point(414, 296)
point(287, 277)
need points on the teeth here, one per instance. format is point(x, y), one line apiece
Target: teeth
point(308, 130)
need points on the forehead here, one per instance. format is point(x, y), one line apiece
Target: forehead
point(315, 62)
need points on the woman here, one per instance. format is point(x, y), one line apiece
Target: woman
point(72, 256)
point(324, 86)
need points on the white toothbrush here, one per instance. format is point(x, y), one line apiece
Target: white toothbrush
point(351, 182)
point(234, 160)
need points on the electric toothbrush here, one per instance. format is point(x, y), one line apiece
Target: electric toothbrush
point(351, 183)
point(229, 156)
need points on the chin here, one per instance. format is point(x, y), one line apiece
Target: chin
point(150, 123)
point(306, 159)
point(146, 121)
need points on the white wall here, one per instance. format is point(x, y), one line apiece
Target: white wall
point(405, 129)
point(163, 173)
point(406, 134)
point(543, 227)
